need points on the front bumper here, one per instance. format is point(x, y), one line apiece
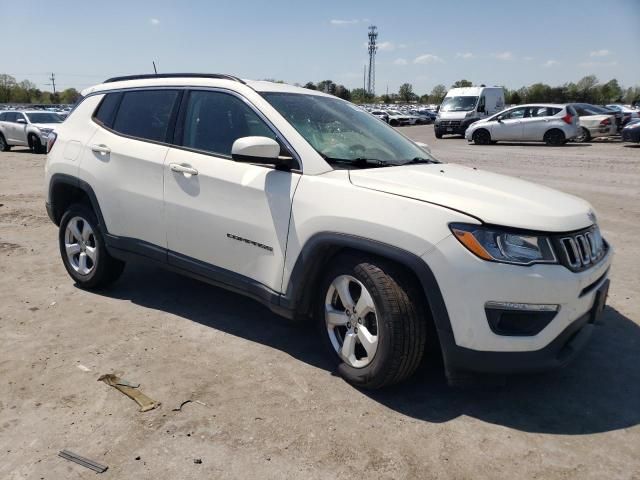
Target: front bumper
point(467, 283)
point(453, 127)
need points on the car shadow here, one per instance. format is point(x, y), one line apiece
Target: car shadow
point(599, 392)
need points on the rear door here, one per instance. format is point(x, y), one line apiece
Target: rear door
point(124, 163)
point(509, 126)
point(536, 122)
point(225, 219)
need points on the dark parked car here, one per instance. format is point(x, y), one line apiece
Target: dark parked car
point(631, 133)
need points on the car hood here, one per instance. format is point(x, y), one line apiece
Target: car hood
point(490, 197)
point(52, 126)
point(452, 115)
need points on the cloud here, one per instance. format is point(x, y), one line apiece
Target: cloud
point(342, 23)
point(154, 21)
point(598, 64)
point(504, 56)
point(600, 53)
point(400, 61)
point(427, 58)
point(550, 63)
point(527, 59)
point(465, 55)
point(386, 46)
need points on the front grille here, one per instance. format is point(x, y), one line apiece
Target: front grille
point(580, 250)
point(450, 123)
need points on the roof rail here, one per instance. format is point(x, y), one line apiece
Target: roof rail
point(174, 75)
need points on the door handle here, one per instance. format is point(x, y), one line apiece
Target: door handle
point(103, 149)
point(184, 169)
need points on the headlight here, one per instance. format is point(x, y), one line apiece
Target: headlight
point(495, 244)
point(46, 131)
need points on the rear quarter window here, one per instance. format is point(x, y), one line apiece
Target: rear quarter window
point(105, 112)
point(145, 114)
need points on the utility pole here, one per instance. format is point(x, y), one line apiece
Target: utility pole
point(155, 70)
point(364, 79)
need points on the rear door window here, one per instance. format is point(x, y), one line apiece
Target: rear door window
point(146, 114)
point(11, 116)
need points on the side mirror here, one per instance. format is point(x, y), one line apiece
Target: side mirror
point(499, 119)
point(424, 146)
point(21, 120)
point(261, 150)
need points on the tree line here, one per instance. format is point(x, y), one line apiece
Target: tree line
point(12, 91)
point(588, 89)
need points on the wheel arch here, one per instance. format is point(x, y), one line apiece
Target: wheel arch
point(65, 190)
point(322, 247)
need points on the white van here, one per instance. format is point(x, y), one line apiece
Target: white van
point(463, 106)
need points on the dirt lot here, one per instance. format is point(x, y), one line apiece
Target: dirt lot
point(273, 409)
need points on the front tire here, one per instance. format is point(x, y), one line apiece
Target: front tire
point(438, 134)
point(4, 146)
point(83, 249)
point(372, 321)
point(35, 145)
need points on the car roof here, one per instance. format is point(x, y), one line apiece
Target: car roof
point(194, 80)
point(555, 105)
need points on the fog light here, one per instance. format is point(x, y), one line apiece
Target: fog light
point(519, 319)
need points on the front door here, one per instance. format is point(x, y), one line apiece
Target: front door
point(509, 127)
point(225, 220)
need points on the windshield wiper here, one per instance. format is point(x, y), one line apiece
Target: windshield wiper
point(359, 162)
point(416, 160)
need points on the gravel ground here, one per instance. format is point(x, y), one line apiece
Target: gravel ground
point(271, 407)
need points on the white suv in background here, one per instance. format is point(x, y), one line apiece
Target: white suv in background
point(26, 128)
point(315, 208)
point(552, 124)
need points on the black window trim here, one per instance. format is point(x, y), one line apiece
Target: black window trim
point(178, 121)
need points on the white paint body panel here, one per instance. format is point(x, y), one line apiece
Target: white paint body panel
point(226, 197)
point(493, 198)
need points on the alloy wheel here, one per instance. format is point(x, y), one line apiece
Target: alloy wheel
point(352, 321)
point(80, 246)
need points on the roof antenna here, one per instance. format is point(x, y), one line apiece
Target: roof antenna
point(154, 67)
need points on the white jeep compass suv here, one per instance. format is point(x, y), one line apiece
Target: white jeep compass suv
point(323, 213)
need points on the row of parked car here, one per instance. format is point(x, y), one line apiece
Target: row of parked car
point(479, 114)
point(399, 116)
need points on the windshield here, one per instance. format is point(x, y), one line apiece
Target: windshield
point(458, 104)
point(341, 132)
point(44, 117)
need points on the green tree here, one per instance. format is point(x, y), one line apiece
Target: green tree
point(327, 86)
point(310, 86)
point(610, 92)
point(385, 99)
point(342, 92)
point(7, 84)
point(360, 95)
point(406, 92)
point(69, 96)
point(437, 94)
point(514, 98)
point(462, 83)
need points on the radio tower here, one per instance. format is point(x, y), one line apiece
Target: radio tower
point(373, 37)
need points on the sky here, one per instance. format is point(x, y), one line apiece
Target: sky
point(511, 43)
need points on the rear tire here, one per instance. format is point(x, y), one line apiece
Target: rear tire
point(4, 146)
point(83, 249)
point(481, 137)
point(554, 137)
point(584, 136)
point(381, 303)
